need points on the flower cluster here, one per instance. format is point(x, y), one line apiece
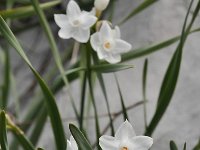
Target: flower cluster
point(125, 139)
point(76, 24)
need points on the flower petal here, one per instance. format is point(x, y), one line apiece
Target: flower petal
point(73, 10)
point(121, 46)
point(125, 131)
point(105, 31)
point(87, 20)
point(117, 33)
point(141, 142)
point(81, 35)
point(61, 20)
point(108, 142)
point(113, 59)
point(95, 41)
point(66, 33)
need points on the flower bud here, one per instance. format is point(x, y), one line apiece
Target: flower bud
point(101, 4)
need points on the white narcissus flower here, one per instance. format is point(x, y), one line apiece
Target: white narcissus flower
point(72, 145)
point(125, 139)
point(76, 23)
point(101, 4)
point(108, 43)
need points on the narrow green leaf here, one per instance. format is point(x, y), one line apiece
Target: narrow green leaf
point(3, 131)
point(54, 49)
point(171, 76)
point(133, 54)
point(197, 147)
point(82, 142)
point(49, 99)
point(39, 125)
point(40, 149)
point(125, 114)
point(25, 143)
point(89, 52)
point(6, 85)
point(26, 11)
point(184, 147)
point(144, 80)
point(173, 146)
point(110, 68)
point(103, 88)
point(140, 8)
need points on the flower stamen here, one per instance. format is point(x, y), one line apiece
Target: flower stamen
point(107, 45)
point(124, 148)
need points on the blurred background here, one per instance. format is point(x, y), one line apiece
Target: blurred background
point(159, 22)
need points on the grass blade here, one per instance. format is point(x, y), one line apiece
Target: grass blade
point(197, 147)
point(171, 76)
point(19, 135)
point(6, 84)
point(103, 88)
point(49, 99)
point(54, 49)
point(110, 68)
point(133, 54)
point(122, 100)
point(140, 8)
point(173, 146)
point(82, 142)
point(3, 131)
point(144, 80)
point(26, 11)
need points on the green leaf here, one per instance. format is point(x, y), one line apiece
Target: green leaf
point(6, 85)
point(110, 68)
point(122, 100)
point(26, 144)
point(3, 131)
point(140, 8)
point(133, 54)
point(173, 146)
point(38, 126)
point(184, 147)
point(54, 49)
point(103, 88)
point(26, 11)
point(82, 142)
point(197, 147)
point(144, 90)
point(49, 99)
point(171, 76)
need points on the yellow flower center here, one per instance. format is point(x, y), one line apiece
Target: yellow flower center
point(107, 45)
point(124, 148)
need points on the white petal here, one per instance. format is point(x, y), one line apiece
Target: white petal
point(102, 54)
point(61, 20)
point(141, 142)
point(105, 31)
point(125, 131)
point(93, 11)
point(95, 41)
point(87, 20)
point(81, 35)
point(113, 59)
point(117, 33)
point(73, 10)
point(108, 143)
point(121, 46)
point(66, 33)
